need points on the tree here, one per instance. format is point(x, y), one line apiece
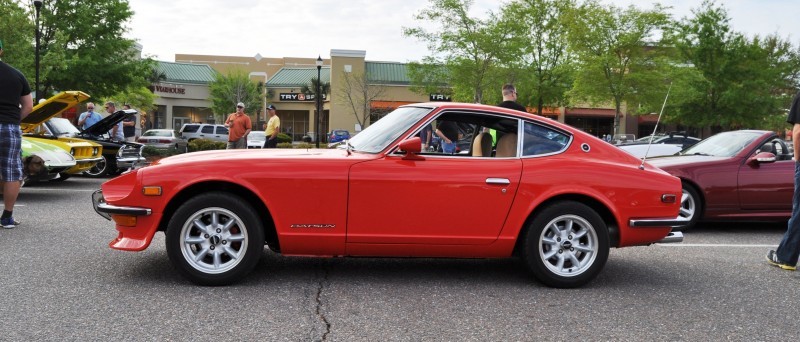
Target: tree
point(540, 50)
point(359, 94)
point(17, 32)
point(140, 98)
point(82, 48)
point(228, 90)
point(616, 61)
point(469, 48)
point(743, 82)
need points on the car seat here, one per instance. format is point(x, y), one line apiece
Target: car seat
point(482, 145)
point(507, 146)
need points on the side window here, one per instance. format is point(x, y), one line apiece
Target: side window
point(207, 130)
point(464, 134)
point(190, 128)
point(539, 139)
point(222, 130)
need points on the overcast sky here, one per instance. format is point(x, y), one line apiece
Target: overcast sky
point(291, 28)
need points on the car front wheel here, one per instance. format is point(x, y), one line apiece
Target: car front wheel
point(215, 239)
point(106, 166)
point(566, 245)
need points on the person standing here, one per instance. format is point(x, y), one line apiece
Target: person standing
point(239, 127)
point(129, 126)
point(16, 103)
point(448, 132)
point(425, 136)
point(510, 98)
point(116, 132)
point(788, 250)
point(271, 128)
point(89, 117)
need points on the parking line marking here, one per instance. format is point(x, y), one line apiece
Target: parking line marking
point(712, 245)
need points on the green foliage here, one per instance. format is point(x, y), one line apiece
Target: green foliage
point(236, 86)
point(150, 151)
point(742, 82)
point(140, 98)
point(206, 144)
point(83, 48)
point(17, 30)
point(300, 145)
point(468, 47)
point(540, 60)
point(616, 60)
point(284, 138)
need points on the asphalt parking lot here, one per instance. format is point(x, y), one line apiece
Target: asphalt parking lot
point(60, 281)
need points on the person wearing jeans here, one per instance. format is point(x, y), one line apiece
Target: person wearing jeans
point(788, 250)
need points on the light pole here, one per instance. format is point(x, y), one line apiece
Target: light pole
point(38, 5)
point(319, 99)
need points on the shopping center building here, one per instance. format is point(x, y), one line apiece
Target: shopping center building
point(184, 94)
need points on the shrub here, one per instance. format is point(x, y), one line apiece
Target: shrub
point(205, 145)
point(284, 138)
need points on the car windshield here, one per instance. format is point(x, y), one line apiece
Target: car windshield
point(726, 144)
point(256, 135)
point(154, 133)
point(62, 127)
point(380, 134)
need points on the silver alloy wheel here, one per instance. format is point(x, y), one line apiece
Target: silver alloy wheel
point(688, 206)
point(213, 240)
point(568, 245)
point(98, 169)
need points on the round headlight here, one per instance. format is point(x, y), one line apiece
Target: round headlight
point(95, 150)
point(72, 151)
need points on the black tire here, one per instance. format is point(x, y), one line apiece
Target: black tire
point(561, 234)
point(691, 206)
point(235, 247)
point(61, 177)
point(107, 166)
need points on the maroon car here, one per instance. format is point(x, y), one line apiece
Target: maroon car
point(738, 175)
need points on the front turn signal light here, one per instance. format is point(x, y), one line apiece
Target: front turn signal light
point(151, 191)
point(668, 198)
point(125, 220)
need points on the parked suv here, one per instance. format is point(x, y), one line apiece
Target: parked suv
point(204, 131)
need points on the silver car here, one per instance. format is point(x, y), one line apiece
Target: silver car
point(164, 139)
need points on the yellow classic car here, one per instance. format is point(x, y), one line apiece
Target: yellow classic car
point(86, 153)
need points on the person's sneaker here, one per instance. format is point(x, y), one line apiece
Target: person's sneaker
point(9, 223)
point(772, 259)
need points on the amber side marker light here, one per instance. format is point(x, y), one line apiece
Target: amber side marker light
point(151, 191)
point(668, 198)
point(125, 220)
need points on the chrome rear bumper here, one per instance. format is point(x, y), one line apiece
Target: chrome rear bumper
point(672, 237)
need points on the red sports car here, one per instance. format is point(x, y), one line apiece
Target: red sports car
point(528, 187)
point(737, 175)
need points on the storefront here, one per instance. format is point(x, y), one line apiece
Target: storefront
point(183, 97)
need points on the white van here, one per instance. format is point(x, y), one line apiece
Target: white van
point(193, 131)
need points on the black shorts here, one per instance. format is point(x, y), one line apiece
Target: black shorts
point(271, 143)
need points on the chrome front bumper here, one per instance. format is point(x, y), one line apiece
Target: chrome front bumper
point(126, 163)
point(106, 210)
point(672, 237)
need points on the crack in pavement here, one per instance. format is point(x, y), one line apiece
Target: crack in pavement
point(319, 313)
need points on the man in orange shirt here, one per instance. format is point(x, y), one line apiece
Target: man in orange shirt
point(239, 127)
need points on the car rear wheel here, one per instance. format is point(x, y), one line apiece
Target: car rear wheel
point(215, 239)
point(566, 245)
point(102, 168)
point(691, 207)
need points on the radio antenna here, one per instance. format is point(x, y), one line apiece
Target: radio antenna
point(649, 143)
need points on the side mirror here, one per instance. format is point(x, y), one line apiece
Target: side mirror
point(760, 158)
point(411, 147)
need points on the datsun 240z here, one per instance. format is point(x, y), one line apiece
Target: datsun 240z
point(529, 187)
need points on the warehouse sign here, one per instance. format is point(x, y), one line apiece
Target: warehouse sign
point(298, 97)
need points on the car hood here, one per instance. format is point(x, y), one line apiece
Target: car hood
point(673, 161)
point(53, 106)
point(105, 125)
point(53, 155)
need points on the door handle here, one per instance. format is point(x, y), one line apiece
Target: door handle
point(500, 181)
